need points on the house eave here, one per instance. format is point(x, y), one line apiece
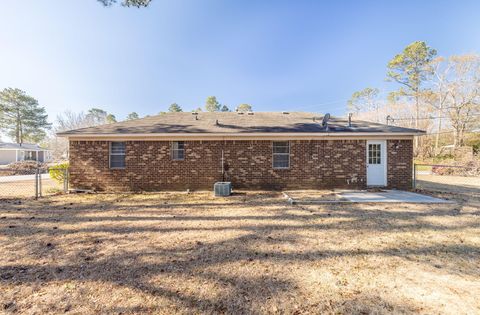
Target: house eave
point(241, 136)
point(23, 149)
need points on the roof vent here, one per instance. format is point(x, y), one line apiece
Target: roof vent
point(325, 120)
point(194, 113)
point(249, 113)
point(350, 119)
point(240, 113)
point(285, 113)
point(216, 122)
point(196, 117)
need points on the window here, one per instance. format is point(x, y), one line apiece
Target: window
point(178, 150)
point(374, 154)
point(117, 155)
point(30, 155)
point(281, 154)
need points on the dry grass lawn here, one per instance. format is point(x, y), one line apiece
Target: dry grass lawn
point(455, 184)
point(251, 253)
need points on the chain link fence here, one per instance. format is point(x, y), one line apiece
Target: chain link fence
point(447, 178)
point(32, 183)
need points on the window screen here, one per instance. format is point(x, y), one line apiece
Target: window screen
point(178, 150)
point(374, 154)
point(117, 155)
point(281, 154)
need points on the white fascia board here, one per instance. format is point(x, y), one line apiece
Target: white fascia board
point(22, 149)
point(240, 136)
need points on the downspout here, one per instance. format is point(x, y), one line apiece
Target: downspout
point(223, 167)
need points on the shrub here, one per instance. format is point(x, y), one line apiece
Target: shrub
point(465, 167)
point(24, 167)
point(59, 172)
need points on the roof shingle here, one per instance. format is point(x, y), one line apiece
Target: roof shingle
point(232, 122)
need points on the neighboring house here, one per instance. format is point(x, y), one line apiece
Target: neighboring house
point(15, 152)
point(254, 150)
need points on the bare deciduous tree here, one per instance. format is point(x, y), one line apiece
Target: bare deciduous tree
point(366, 101)
point(457, 87)
point(69, 120)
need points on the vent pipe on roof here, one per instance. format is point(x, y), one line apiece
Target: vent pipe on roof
point(350, 119)
point(325, 120)
point(285, 113)
point(389, 118)
point(216, 122)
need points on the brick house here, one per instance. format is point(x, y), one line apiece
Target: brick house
point(252, 150)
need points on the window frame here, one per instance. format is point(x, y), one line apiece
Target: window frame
point(117, 154)
point(29, 155)
point(283, 154)
point(173, 150)
point(374, 154)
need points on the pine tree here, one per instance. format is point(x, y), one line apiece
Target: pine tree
point(132, 115)
point(96, 116)
point(21, 117)
point(175, 108)
point(110, 119)
point(244, 108)
point(212, 105)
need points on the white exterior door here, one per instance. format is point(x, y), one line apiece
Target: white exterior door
point(377, 163)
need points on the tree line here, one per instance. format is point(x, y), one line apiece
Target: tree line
point(24, 120)
point(438, 94)
point(211, 105)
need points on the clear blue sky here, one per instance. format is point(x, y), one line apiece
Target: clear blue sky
point(275, 55)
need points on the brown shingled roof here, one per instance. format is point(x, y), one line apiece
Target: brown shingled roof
point(232, 122)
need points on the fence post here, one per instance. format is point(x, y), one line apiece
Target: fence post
point(36, 183)
point(40, 182)
point(65, 180)
point(414, 176)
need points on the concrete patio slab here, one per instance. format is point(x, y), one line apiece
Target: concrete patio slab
point(390, 196)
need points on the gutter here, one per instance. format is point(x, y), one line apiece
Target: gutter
point(240, 136)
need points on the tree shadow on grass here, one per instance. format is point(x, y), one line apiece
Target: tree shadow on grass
point(148, 270)
point(241, 293)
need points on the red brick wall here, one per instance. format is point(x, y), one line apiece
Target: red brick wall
point(399, 164)
point(149, 167)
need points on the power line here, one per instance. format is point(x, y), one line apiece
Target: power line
point(445, 132)
point(425, 118)
point(320, 105)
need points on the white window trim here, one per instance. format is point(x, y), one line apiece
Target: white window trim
point(172, 155)
point(110, 156)
point(273, 155)
point(379, 149)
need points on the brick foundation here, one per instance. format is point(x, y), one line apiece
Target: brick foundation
point(313, 164)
